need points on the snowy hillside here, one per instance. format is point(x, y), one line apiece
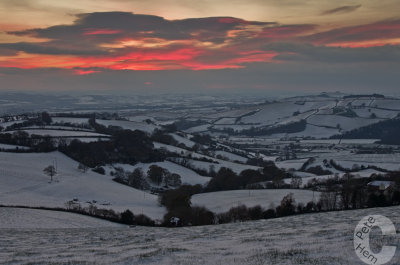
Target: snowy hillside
point(129, 125)
point(18, 218)
point(325, 115)
point(324, 238)
point(22, 182)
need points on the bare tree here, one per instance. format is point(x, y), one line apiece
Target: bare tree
point(173, 180)
point(50, 171)
point(329, 200)
point(296, 182)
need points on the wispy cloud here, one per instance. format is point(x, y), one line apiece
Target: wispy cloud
point(374, 34)
point(341, 10)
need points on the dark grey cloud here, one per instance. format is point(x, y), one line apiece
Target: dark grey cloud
point(5, 51)
point(52, 48)
point(138, 25)
point(341, 10)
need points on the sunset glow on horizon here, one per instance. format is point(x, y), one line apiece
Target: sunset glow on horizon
point(93, 38)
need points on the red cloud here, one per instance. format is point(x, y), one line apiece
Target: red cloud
point(125, 41)
point(85, 72)
point(101, 32)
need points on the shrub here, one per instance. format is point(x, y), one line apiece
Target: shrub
point(144, 220)
point(99, 170)
point(127, 217)
point(270, 213)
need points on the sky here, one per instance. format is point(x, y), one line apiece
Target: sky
point(200, 46)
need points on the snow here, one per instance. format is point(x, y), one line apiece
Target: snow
point(314, 131)
point(183, 140)
point(231, 113)
point(380, 113)
point(140, 118)
point(222, 201)
point(19, 218)
point(62, 133)
point(12, 147)
point(235, 127)
point(345, 123)
point(23, 183)
point(70, 120)
point(393, 104)
point(343, 141)
point(9, 123)
point(197, 129)
point(323, 238)
point(386, 161)
point(288, 164)
point(237, 168)
point(129, 125)
point(205, 165)
point(275, 112)
point(225, 121)
point(231, 157)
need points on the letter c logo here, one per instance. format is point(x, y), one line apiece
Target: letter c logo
point(361, 239)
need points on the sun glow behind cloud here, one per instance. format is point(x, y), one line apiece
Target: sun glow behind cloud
point(144, 42)
point(99, 43)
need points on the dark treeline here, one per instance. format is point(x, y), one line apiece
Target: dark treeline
point(36, 143)
point(125, 146)
point(388, 131)
point(344, 193)
point(364, 96)
point(349, 192)
point(226, 179)
point(293, 127)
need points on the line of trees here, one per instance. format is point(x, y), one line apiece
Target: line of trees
point(125, 146)
point(156, 175)
point(387, 130)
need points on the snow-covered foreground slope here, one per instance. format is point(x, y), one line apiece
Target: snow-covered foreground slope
point(319, 239)
point(17, 218)
point(222, 201)
point(22, 182)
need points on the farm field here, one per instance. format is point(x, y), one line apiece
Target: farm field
point(23, 183)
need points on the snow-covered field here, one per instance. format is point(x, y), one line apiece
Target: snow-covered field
point(129, 125)
point(315, 131)
point(231, 157)
point(345, 123)
point(23, 183)
point(18, 218)
point(237, 168)
point(222, 201)
point(62, 133)
point(318, 239)
point(205, 165)
point(12, 147)
point(183, 140)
